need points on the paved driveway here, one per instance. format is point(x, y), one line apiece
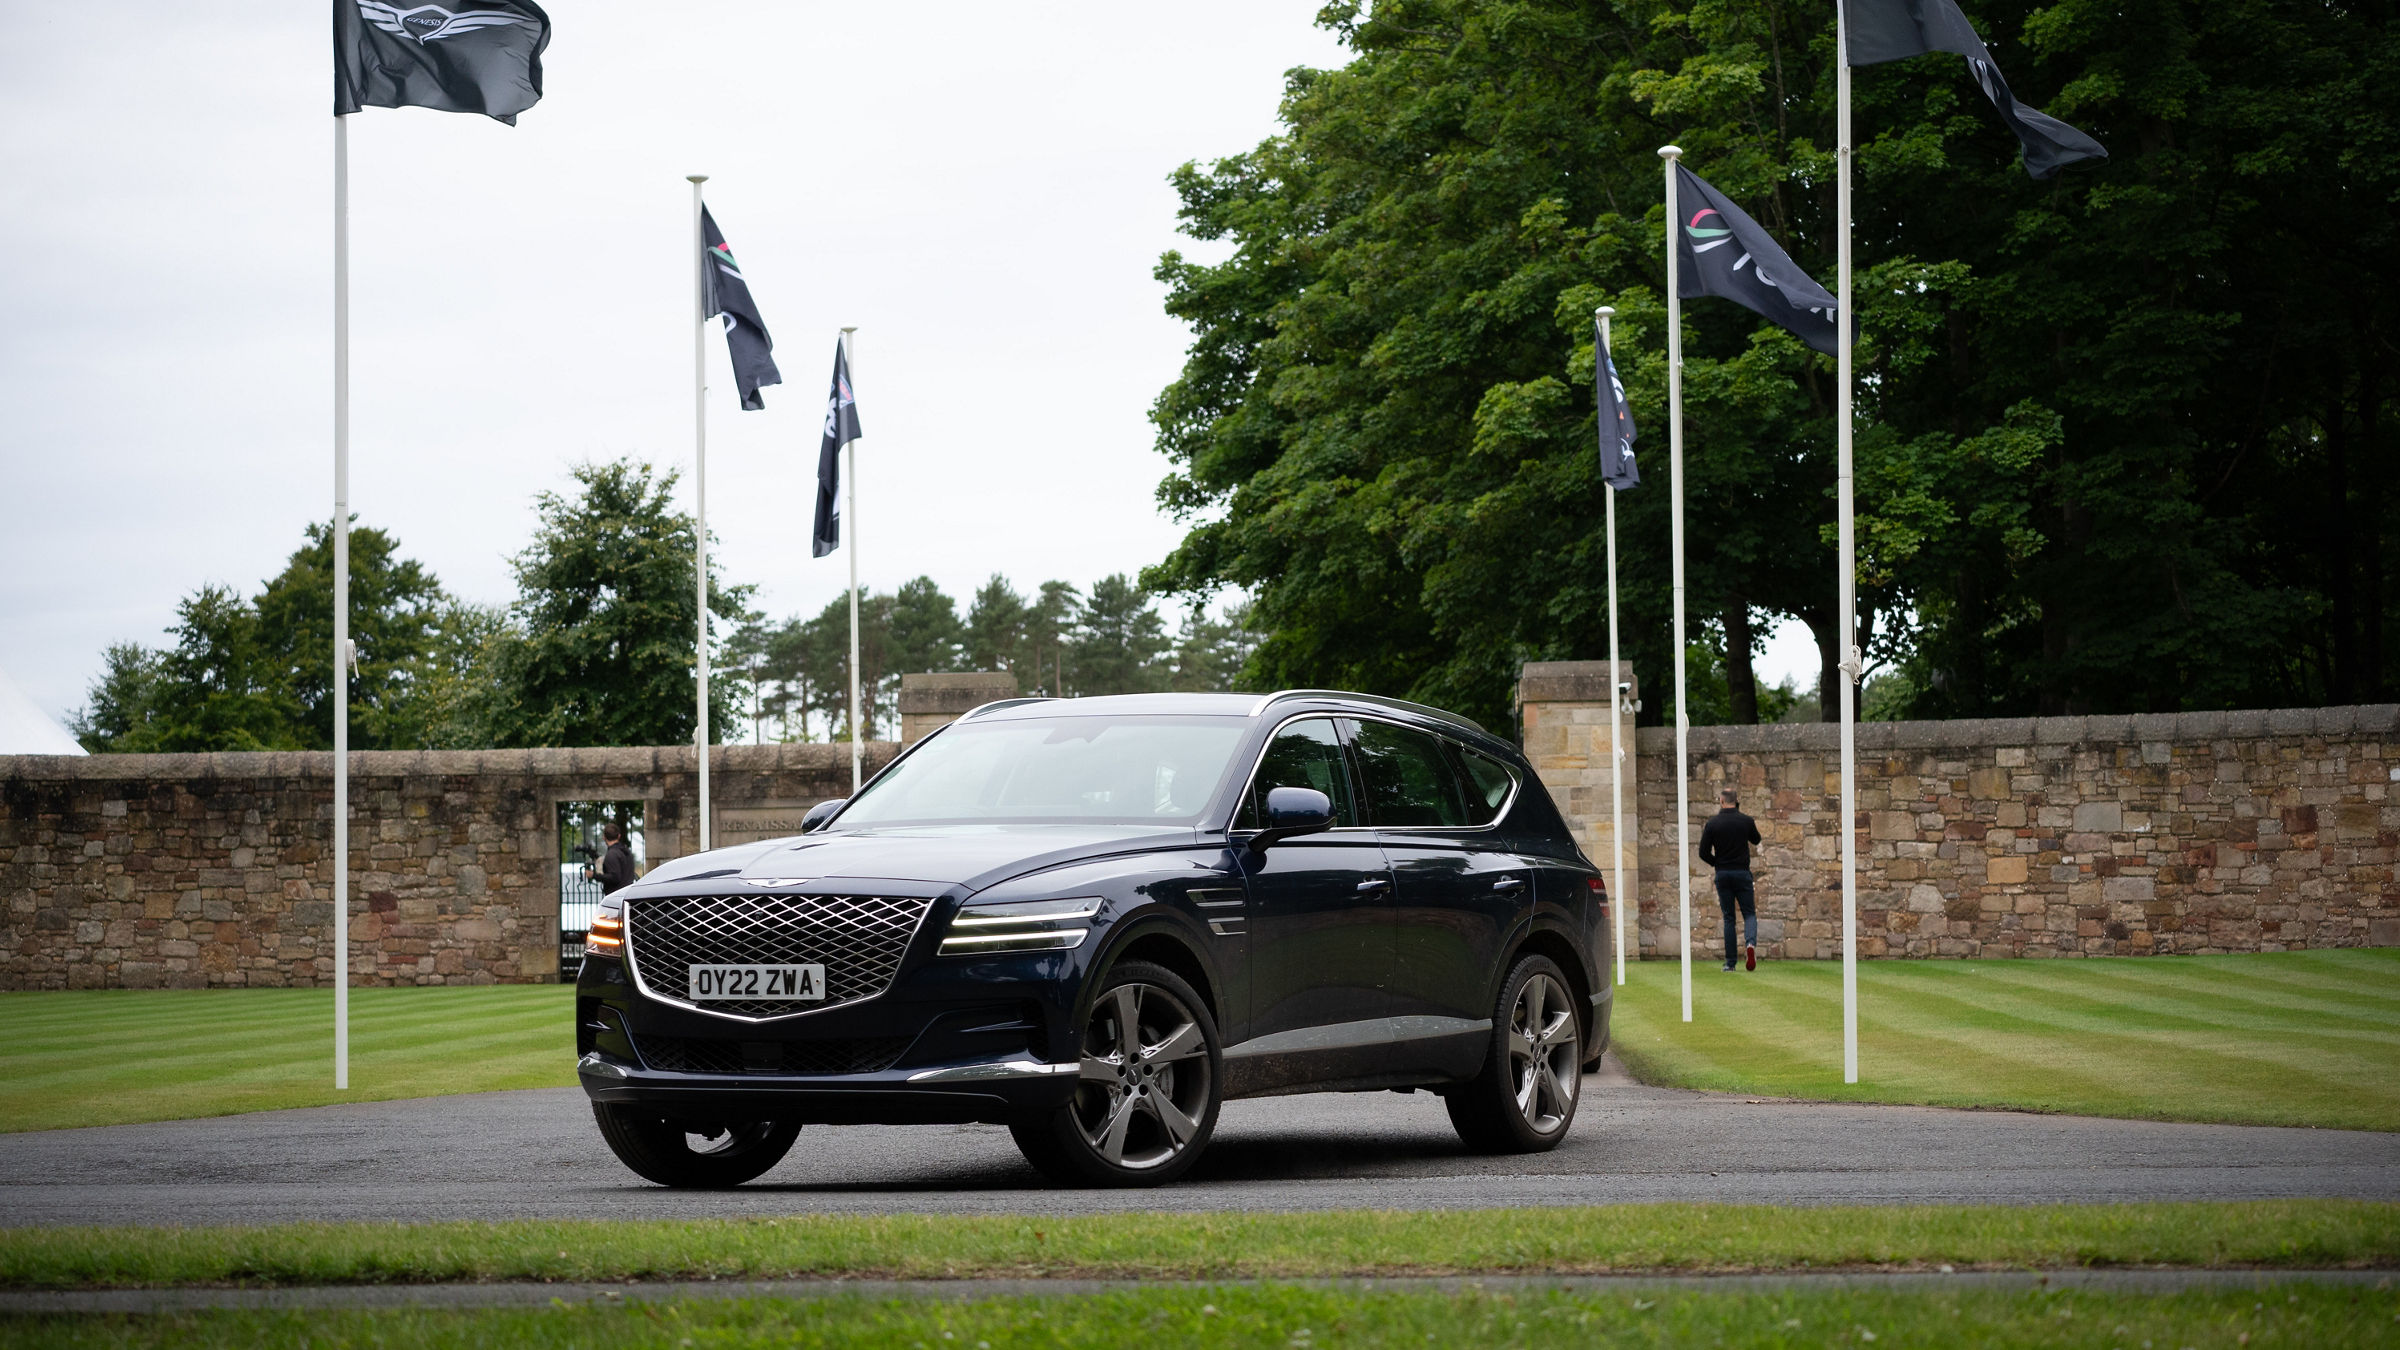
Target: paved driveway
point(537, 1155)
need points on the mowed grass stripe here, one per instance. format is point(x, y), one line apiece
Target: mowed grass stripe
point(111, 1056)
point(2312, 1233)
point(2145, 1037)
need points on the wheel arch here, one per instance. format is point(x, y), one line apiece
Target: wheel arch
point(1161, 944)
point(1560, 948)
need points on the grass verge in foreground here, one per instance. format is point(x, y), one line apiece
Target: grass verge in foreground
point(2271, 1038)
point(2290, 1234)
point(117, 1056)
point(1301, 1318)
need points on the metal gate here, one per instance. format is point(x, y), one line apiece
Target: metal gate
point(579, 849)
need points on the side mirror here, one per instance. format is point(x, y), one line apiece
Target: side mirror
point(1293, 811)
point(820, 813)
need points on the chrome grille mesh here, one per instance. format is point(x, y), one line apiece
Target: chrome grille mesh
point(859, 939)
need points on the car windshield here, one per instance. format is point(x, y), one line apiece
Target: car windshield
point(1154, 770)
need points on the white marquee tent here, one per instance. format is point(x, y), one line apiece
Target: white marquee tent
point(26, 729)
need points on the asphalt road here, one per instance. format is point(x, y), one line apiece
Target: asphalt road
point(537, 1155)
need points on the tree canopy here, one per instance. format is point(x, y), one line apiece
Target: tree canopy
point(2121, 433)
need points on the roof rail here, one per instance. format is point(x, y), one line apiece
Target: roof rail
point(1422, 710)
point(981, 708)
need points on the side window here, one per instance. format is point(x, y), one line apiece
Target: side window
point(1488, 785)
point(1305, 754)
point(1408, 780)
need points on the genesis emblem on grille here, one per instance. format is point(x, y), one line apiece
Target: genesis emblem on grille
point(858, 939)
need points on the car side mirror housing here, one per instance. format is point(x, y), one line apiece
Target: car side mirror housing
point(820, 813)
point(1293, 811)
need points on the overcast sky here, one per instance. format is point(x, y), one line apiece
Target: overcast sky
point(980, 189)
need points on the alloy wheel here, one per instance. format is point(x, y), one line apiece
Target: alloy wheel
point(1544, 1054)
point(1144, 1084)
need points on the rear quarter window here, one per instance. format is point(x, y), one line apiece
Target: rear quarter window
point(1489, 785)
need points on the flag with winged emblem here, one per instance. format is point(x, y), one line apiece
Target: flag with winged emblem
point(745, 333)
point(1888, 30)
point(1617, 468)
point(485, 58)
point(1729, 255)
point(841, 428)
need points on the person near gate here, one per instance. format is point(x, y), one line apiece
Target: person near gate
point(1725, 845)
point(614, 871)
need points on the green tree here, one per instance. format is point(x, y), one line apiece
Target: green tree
point(605, 620)
point(1383, 428)
point(118, 713)
point(1118, 641)
point(996, 630)
point(1210, 654)
point(926, 634)
point(395, 606)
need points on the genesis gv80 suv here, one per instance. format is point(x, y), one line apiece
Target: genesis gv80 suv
point(1093, 921)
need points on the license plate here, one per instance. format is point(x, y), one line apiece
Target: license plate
point(792, 982)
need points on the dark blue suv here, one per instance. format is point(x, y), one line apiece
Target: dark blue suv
point(1094, 920)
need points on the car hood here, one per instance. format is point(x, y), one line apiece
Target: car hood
point(971, 855)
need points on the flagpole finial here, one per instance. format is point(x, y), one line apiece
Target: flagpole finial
point(1605, 310)
point(695, 178)
point(1670, 152)
point(851, 328)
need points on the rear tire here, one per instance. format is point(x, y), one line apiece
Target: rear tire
point(1524, 1098)
point(1146, 1102)
point(693, 1155)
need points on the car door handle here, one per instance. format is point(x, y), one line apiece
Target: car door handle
point(1509, 884)
point(1370, 887)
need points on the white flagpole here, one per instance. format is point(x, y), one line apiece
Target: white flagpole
point(850, 527)
point(1683, 722)
point(1616, 703)
point(1851, 660)
point(340, 687)
point(700, 480)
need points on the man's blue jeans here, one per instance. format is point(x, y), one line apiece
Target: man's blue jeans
point(1733, 888)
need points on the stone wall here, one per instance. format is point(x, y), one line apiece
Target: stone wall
point(2070, 836)
point(199, 870)
point(932, 701)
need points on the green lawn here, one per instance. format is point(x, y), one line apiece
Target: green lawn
point(2277, 1038)
point(2287, 1038)
point(1701, 1238)
point(1301, 1318)
point(112, 1056)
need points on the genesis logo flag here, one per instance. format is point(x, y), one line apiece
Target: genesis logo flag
point(841, 428)
point(1617, 468)
point(486, 58)
point(1729, 255)
point(745, 333)
point(1888, 30)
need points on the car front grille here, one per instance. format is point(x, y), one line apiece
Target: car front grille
point(694, 1054)
point(859, 939)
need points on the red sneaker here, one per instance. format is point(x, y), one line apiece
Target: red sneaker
point(1749, 958)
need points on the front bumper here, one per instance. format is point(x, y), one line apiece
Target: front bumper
point(949, 1043)
point(994, 1091)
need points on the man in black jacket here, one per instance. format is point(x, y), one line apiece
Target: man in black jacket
point(1725, 845)
point(615, 868)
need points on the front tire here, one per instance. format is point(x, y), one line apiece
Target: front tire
point(1524, 1098)
point(1146, 1100)
point(693, 1155)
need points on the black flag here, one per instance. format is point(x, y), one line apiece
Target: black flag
point(1725, 253)
point(745, 334)
point(1887, 30)
point(487, 59)
point(841, 428)
point(1617, 468)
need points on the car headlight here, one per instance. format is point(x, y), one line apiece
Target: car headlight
point(606, 937)
point(1035, 926)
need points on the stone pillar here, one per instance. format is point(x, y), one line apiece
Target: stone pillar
point(940, 698)
point(1565, 710)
